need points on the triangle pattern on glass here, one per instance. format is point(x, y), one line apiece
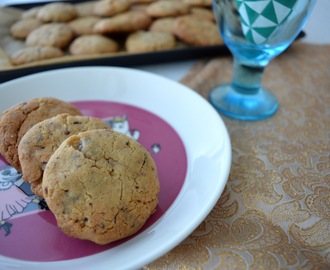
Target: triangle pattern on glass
point(260, 18)
point(281, 11)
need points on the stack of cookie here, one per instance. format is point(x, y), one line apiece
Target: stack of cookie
point(100, 184)
point(113, 26)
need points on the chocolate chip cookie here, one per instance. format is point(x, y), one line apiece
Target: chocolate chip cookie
point(101, 185)
point(41, 141)
point(18, 119)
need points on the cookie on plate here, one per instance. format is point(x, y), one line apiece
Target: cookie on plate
point(51, 35)
point(163, 25)
point(129, 21)
point(147, 41)
point(41, 141)
point(18, 119)
point(33, 54)
point(108, 8)
point(22, 28)
point(196, 31)
point(93, 45)
point(83, 25)
point(101, 185)
point(165, 8)
point(57, 12)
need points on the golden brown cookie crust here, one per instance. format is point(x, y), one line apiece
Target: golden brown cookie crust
point(84, 25)
point(101, 185)
point(129, 21)
point(18, 119)
point(199, 3)
point(41, 141)
point(165, 8)
point(57, 12)
point(32, 54)
point(93, 45)
point(196, 31)
point(163, 25)
point(147, 41)
point(50, 35)
point(22, 28)
point(108, 8)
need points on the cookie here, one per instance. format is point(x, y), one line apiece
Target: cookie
point(83, 25)
point(41, 141)
point(200, 3)
point(133, 2)
point(165, 8)
point(85, 8)
point(147, 41)
point(129, 21)
point(93, 44)
point(33, 54)
point(163, 25)
point(57, 12)
point(203, 13)
point(18, 119)
point(196, 31)
point(22, 28)
point(50, 35)
point(107, 8)
point(30, 13)
point(101, 185)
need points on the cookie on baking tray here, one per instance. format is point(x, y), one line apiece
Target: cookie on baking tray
point(33, 54)
point(129, 21)
point(202, 12)
point(50, 35)
point(30, 13)
point(147, 41)
point(41, 141)
point(165, 8)
point(196, 31)
point(93, 44)
point(22, 28)
point(17, 120)
point(57, 12)
point(201, 3)
point(108, 8)
point(163, 25)
point(83, 25)
point(101, 185)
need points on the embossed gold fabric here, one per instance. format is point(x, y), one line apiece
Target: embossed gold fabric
point(275, 210)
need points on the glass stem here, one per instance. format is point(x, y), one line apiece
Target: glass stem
point(247, 79)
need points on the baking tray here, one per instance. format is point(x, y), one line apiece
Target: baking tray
point(183, 53)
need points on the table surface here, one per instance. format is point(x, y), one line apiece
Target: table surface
point(285, 175)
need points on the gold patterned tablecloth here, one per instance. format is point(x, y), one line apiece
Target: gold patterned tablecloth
point(275, 210)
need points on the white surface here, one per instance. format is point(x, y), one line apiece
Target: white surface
point(207, 146)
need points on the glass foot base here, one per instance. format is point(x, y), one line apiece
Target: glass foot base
point(234, 104)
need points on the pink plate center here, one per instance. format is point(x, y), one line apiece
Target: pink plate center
point(28, 232)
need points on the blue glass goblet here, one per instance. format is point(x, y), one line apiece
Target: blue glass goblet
point(255, 31)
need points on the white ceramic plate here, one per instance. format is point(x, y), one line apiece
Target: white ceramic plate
point(192, 121)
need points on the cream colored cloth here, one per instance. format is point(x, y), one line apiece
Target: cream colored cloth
point(275, 210)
